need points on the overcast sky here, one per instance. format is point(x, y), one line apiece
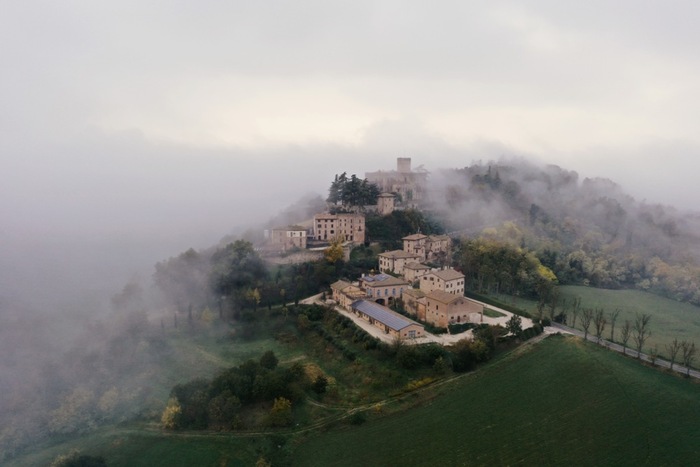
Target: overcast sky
point(174, 119)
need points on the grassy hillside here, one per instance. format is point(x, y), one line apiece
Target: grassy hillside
point(562, 403)
point(670, 319)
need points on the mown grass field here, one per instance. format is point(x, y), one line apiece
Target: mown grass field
point(670, 319)
point(563, 402)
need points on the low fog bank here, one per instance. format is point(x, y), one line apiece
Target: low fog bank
point(89, 225)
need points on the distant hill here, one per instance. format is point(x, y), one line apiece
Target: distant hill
point(587, 231)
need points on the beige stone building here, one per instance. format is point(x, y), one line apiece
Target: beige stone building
point(443, 308)
point(348, 227)
point(387, 320)
point(447, 280)
point(382, 288)
point(409, 184)
point(386, 203)
point(286, 238)
point(345, 293)
point(412, 272)
point(428, 247)
point(394, 261)
point(414, 303)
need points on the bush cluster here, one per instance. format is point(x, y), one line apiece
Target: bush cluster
point(200, 404)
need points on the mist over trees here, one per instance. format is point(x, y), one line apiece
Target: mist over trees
point(586, 231)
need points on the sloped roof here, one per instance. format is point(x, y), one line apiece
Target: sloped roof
point(340, 285)
point(383, 314)
point(448, 274)
point(398, 254)
point(416, 266)
point(415, 237)
point(442, 296)
point(438, 237)
point(382, 280)
point(417, 293)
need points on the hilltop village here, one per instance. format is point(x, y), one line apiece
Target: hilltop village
point(413, 279)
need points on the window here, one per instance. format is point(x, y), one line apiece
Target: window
point(412, 334)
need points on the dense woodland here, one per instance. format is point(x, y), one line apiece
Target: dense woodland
point(586, 232)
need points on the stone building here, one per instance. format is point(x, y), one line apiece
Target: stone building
point(286, 238)
point(385, 203)
point(443, 308)
point(345, 293)
point(348, 227)
point(414, 303)
point(383, 288)
point(412, 272)
point(447, 280)
point(428, 247)
point(409, 184)
point(387, 320)
point(394, 261)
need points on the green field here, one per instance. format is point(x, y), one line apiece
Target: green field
point(670, 319)
point(562, 403)
point(558, 402)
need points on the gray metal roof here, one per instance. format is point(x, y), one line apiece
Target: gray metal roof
point(384, 315)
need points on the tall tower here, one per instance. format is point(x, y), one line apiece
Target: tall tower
point(403, 164)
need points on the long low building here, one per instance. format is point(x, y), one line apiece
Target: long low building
point(387, 320)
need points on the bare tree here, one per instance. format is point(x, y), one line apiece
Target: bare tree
point(553, 302)
point(586, 318)
point(599, 321)
point(641, 331)
point(654, 354)
point(673, 351)
point(613, 319)
point(626, 333)
point(688, 349)
point(575, 309)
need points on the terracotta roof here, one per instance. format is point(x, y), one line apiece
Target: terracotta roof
point(417, 293)
point(382, 280)
point(415, 237)
point(442, 296)
point(398, 254)
point(340, 285)
point(416, 266)
point(448, 274)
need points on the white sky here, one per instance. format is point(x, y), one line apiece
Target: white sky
point(175, 118)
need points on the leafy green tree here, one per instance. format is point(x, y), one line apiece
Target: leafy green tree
point(320, 384)
point(515, 325)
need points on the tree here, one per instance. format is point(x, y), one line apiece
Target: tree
point(586, 318)
point(514, 325)
point(641, 331)
point(672, 350)
point(599, 321)
point(688, 349)
point(320, 384)
point(281, 413)
point(626, 333)
point(334, 252)
point(575, 309)
point(171, 415)
point(613, 319)
point(269, 360)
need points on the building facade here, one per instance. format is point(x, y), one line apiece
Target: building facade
point(447, 280)
point(395, 261)
point(286, 238)
point(347, 227)
point(409, 184)
point(387, 320)
point(443, 308)
point(382, 288)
